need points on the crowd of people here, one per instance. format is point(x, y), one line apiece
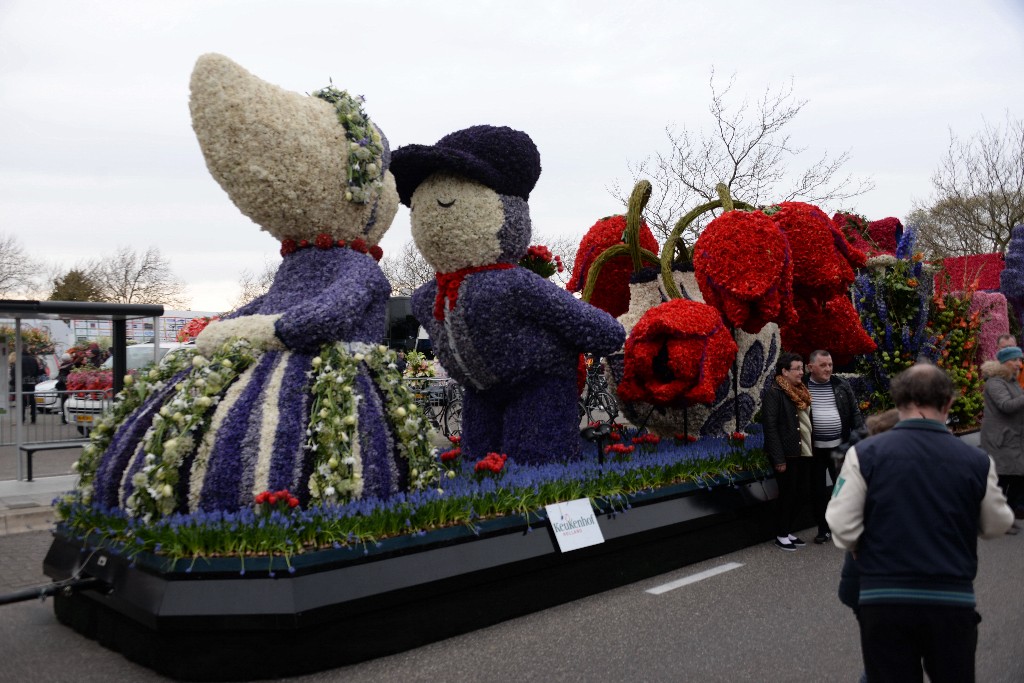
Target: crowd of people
point(908, 503)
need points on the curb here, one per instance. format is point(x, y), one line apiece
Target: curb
point(29, 519)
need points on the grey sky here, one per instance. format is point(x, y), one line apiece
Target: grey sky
point(96, 146)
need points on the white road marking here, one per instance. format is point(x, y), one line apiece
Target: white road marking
point(707, 574)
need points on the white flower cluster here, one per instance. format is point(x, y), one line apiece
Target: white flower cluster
point(137, 388)
point(365, 151)
point(410, 424)
point(333, 433)
point(178, 424)
point(281, 156)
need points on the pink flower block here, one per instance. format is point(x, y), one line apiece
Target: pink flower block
point(995, 321)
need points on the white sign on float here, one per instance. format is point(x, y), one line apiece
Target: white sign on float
point(574, 524)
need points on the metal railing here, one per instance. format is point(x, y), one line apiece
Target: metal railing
point(49, 424)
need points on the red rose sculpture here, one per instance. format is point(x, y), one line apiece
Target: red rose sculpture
point(744, 269)
point(872, 238)
point(886, 233)
point(834, 326)
point(678, 353)
point(821, 258)
point(612, 291)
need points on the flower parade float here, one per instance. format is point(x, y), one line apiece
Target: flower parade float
point(268, 503)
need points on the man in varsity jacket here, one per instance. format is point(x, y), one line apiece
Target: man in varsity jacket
point(910, 504)
point(834, 415)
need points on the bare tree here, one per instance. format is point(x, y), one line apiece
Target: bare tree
point(979, 193)
point(253, 284)
point(749, 149)
point(406, 270)
point(19, 272)
point(129, 277)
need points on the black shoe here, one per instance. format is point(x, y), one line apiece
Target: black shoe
point(788, 547)
point(823, 538)
point(797, 542)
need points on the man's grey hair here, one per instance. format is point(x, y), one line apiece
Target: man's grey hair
point(817, 353)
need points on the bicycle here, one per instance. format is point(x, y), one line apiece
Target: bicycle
point(597, 403)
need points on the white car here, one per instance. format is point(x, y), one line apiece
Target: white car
point(46, 391)
point(83, 411)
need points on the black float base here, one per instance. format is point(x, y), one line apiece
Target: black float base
point(344, 606)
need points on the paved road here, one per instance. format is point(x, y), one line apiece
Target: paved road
point(775, 618)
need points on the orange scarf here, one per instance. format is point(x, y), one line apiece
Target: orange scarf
point(799, 394)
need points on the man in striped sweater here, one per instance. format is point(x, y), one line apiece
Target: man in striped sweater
point(910, 504)
point(834, 414)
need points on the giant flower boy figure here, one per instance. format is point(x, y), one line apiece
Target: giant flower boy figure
point(509, 336)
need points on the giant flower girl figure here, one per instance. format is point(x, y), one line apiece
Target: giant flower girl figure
point(312, 404)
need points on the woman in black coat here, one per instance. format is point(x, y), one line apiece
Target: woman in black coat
point(786, 416)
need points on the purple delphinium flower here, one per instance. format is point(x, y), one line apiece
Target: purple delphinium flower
point(379, 473)
point(325, 295)
point(509, 333)
point(1011, 280)
point(293, 416)
point(224, 470)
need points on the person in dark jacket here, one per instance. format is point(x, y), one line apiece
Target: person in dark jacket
point(835, 416)
point(786, 417)
point(30, 371)
point(910, 504)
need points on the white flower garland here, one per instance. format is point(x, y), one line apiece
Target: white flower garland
point(333, 433)
point(171, 437)
point(410, 424)
point(137, 388)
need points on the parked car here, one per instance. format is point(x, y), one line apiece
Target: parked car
point(86, 404)
point(47, 399)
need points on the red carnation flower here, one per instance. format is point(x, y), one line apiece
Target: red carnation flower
point(324, 241)
point(678, 353)
point(744, 269)
point(612, 291)
point(492, 462)
point(359, 245)
point(821, 263)
point(303, 244)
point(376, 252)
point(288, 246)
point(834, 326)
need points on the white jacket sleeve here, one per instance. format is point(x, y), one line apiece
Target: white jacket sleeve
point(996, 516)
point(845, 513)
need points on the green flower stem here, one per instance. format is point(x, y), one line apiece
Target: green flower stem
point(675, 240)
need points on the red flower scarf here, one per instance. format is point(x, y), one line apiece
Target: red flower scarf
point(448, 285)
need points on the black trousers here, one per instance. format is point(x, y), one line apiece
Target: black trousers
point(28, 400)
point(897, 640)
point(1013, 488)
point(820, 494)
point(794, 488)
